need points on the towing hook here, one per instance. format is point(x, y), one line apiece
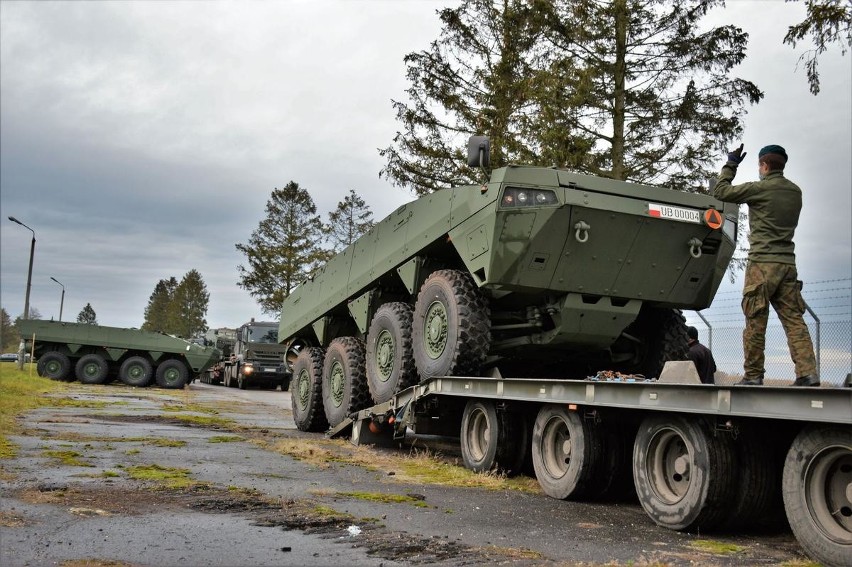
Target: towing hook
point(694, 247)
point(581, 231)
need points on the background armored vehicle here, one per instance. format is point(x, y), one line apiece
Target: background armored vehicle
point(93, 354)
point(251, 356)
point(538, 272)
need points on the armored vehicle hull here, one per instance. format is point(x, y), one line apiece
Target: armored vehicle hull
point(94, 354)
point(538, 273)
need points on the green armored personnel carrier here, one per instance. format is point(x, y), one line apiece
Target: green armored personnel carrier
point(93, 354)
point(538, 273)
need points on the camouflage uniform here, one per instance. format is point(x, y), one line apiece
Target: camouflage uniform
point(774, 204)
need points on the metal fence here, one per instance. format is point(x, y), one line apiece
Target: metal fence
point(828, 317)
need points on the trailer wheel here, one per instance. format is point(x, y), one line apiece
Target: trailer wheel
point(172, 373)
point(306, 398)
point(758, 503)
point(817, 495)
point(490, 440)
point(390, 359)
point(136, 371)
point(451, 328)
point(567, 454)
point(91, 369)
point(344, 381)
point(683, 472)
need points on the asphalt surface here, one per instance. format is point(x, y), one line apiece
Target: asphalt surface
point(251, 505)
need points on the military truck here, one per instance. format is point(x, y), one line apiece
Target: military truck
point(252, 358)
point(223, 340)
point(94, 354)
point(537, 272)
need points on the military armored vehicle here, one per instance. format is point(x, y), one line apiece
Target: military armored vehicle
point(537, 272)
point(251, 356)
point(94, 354)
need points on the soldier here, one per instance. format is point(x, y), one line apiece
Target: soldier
point(701, 356)
point(774, 204)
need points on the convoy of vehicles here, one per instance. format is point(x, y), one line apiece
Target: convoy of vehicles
point(95, 354)
point(251, 356)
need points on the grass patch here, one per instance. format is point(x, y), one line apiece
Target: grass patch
point(331, 513)
point(168, 477)
point(159, 442)
point(206, 421)
point(225, 439)
point(66, 457)
point(23, 390)
point(716, 547)
point(386, 498)
point(197, 408)
point(511, 552)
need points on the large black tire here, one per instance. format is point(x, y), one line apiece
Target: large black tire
point(451, 328)
point(172, 374)
point(684, 472)
point(492, 440)
point(91, 369)
point(136, 371)
point(285, 383)
point(390, 359)
point(306, 397)
point(817, 477)
point(757, 504)
point(54, 365)
point(344, 379)
point(567, 454)
point(662, 335)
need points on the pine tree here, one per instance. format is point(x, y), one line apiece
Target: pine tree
point(284, 249)
point(827, 22)
point(159, 313)
point(191, 300)
point(628, 89)
point(348, 221)
point(9, 336)
point(87, 315)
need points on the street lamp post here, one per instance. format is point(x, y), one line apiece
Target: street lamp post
point(29, 285)
point(62, 301)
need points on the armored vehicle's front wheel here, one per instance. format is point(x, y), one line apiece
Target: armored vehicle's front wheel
point(451, 329)
point(172, 374)
point(54, 365)
point(492, 440)
point(306, 394)
point(136, 371)
point(92, 369)
point(390, 360)
point(344, 380)
point(684, 473)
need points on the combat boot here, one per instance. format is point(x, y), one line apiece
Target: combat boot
point(809, 380)
point(750, 382)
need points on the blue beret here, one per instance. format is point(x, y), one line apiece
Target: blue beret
point(773, 149)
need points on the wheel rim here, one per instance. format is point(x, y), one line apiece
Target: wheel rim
point(135, 371)
point(556, 447)
point(477, 435)
point(53, 367)
point(91, 369)
point(384, 355)
point(668, 465)
point(337, 380)
point(828, 492)
point(171, 375)
point(436, 329)
point(304, 389)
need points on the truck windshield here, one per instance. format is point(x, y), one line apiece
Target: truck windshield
point(263, 334)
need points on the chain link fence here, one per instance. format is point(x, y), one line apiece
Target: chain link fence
point(829, 319)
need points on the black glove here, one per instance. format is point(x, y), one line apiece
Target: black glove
point(737, 156)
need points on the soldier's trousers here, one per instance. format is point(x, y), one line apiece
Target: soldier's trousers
point(770, 283)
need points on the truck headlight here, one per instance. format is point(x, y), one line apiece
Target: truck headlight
point(248, 369)
point(515, 197)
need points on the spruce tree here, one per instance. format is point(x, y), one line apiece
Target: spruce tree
point(87, 315)
point(159, 313)
point(348, 221)
point(191, 300)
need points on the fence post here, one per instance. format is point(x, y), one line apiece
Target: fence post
point(817, 347)
point(709, 330)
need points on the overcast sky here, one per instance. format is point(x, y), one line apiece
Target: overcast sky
point(142, 140)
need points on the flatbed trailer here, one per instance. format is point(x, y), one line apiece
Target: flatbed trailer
point(700, 457)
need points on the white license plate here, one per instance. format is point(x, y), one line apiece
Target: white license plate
point(674, 213)
point(269, 370)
